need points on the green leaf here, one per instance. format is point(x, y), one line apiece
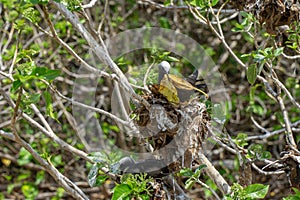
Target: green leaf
point(40, 176)
point(291, 198)
point(10, 188)
point(45, 73)
point(49, 106)
point(214, 2)
point(297, 192)
point(16, 84)
point(200, 168)
point(258, 57)
point(25, 78)
point(101, 179)
point(241, 139)
point(57, 160)
point(24, 176)
point(266, 155)
point(295, 196)
point(278, 51)
point(256, 191)
point(34, 98)
point(186, 172)
point(121, 192)
point(251, 74)
point(24, 157)
point(29, 190)
point(257, 109)
point(198, 171)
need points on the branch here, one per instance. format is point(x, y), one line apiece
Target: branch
point(214, 174)
point(101, 52)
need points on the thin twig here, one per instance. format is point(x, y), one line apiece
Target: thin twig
point(286, 91)
point(15, 55)
point(146, 77)
point(103, 17)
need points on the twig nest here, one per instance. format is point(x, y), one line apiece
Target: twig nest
point(173, 129)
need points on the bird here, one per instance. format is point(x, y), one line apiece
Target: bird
point(185, 87)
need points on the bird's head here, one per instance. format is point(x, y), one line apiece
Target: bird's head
point(163, 68)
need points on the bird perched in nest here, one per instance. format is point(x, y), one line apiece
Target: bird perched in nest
point(185, 87)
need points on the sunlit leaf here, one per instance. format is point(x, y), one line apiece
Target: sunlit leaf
point(121, 192)
point(167, 89)
point(6, 162)
point(256, 191)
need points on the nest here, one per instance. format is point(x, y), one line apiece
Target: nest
point(274, 13)
point(173, 131)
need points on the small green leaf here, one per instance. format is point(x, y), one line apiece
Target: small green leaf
point(16, 84)
point(24, 176)
point(25, 78)
point(29, 190)
point(251, 74)
point(24, 157)
point(198, 171)
point(186, 172)
point(214, 2)
point(10, 188)
point(57, 160)
point(256, 191)
point(257, 109)
point(258, 57)
point(241, 139)
point(34, 98)
point(49, 106)
point(201, 167)
point(40, 176)
point(278, 51)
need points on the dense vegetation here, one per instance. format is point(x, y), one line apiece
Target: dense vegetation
point(78, 81)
